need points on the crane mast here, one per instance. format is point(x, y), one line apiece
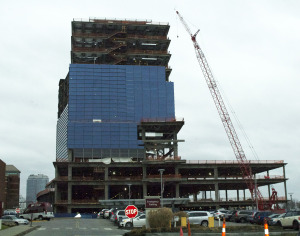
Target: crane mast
point(225, 118)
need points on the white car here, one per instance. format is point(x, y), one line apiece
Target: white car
point(139, 221)
point(14, 219)
point(199, 217)
point(219, 214)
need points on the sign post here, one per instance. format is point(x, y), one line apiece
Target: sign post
point(151, 203)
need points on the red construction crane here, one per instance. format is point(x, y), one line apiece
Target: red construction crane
point(225, 118)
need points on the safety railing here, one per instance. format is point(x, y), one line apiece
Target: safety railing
point(234, 162)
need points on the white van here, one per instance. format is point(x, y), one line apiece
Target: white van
point(39, 210)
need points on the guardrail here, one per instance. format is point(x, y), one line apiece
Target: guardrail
point(234, 162)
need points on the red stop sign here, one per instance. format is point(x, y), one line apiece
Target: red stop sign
point(131, 211)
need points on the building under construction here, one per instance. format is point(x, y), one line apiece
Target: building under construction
point(117, 131)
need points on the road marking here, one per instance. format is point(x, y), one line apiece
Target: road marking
point(82, 228)
point(107, 228)
point(41, 228)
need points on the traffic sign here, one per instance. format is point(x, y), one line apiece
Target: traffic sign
point(17, 210)
point(131, 211)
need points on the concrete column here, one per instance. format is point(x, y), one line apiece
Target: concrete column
point(177, 191)
point(70, 155)
point(69, 210)
point(106, 189)
point(56, 172)
point(175, 145)
point(69, 193)
point(55, 193)
point(216, 192)
point(144, 189)
point(144, 172)
point(195, 197)
point(216, 174)
point(205, 196)
point(237, 195)
point(285, 191)
point(106, 173)
point(69, 173)
point(176, 170)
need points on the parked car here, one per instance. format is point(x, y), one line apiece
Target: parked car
point(10, 212)
point(274, 215)
point(241, 216)
point(276, 220)
point(118, 214)
point(138, 221)
point(229, 214)
point(123, 217)
point(290, 220)
point(106, 213)
point(199, 217)
point(260, 217)
point(13, 219)
point(101, 213)
point(219, 214)
point(113, 214)
point(250, 218)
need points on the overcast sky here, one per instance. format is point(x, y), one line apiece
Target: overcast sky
point(252, 47)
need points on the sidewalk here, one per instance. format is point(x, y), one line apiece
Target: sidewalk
point(17, 230)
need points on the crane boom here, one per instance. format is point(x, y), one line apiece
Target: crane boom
point(225, 118)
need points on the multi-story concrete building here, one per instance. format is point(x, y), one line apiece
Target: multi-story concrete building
point(35, 184)
point(117, 130)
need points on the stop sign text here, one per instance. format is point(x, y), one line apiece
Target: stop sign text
point(131, 211)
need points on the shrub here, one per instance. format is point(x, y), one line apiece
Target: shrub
point(160, 218)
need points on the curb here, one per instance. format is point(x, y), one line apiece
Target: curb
point(27, 231)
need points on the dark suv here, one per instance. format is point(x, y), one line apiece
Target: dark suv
point(241, 216)
point(260, 216)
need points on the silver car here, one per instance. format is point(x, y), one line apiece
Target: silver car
point(15, 220)
point(199, 217)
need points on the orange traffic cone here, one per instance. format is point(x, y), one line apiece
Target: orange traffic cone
point(189, 229)
point(266, 228)
point(224, 228)
point(181, 232)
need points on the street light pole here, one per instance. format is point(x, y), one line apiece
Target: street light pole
point(161, 186)
point(129, 193)
point(291, 195)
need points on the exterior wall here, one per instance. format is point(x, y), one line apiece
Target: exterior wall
point(35, 184)
point(13, 191)
point(2, 182)
point(106, 102)
point(12, 178)
point(61, 135)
